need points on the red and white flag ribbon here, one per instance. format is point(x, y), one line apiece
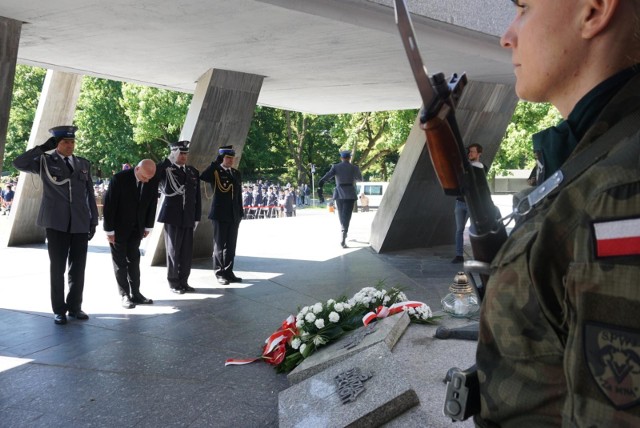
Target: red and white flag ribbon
point(384, 311)
point(275, 346)
point(617, 238)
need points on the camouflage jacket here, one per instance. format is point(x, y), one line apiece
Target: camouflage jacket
point(560, 323)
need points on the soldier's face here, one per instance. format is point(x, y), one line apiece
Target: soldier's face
point(227, 161)
point(546, 48)
point(66, 147)
point(182, 158)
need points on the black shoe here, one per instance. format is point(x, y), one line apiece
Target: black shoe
point(222, 280)
point(79, 315)
point(139, 299)
point(127, 303)
point(457, 259)
point(60, 319)
point(188, 289)
point(177, 290)
point(233, 278)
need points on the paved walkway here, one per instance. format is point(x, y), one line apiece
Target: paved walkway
point(163, 365)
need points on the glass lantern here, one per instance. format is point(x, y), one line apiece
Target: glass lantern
point(462, 300)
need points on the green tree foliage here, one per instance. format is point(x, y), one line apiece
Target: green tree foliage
point(375, 139)
point(264, 153)
point(156, 117)
point(104, 133)
point(26, 92)
point(516, 150)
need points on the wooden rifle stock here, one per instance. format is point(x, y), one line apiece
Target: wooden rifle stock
point(456, 174)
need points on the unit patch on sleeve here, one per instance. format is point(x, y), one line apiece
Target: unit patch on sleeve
point(613, 356)
point(617, 237)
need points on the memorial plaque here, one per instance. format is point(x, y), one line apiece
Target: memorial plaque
point(386, 330)
point(316, 401)
point(351, 384)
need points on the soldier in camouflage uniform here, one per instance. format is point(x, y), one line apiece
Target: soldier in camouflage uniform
point(560, 331)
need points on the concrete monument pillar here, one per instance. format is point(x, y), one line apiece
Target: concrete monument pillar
point(9, 40)
point(415, 212)
point(220, 114)
point(57, 105)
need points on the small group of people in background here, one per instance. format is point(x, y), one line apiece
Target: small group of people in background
point(6, 197)
point(270, 200)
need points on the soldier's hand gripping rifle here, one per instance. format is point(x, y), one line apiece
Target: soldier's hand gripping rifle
point(457, 176)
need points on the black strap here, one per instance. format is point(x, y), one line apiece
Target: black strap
point(66, 160)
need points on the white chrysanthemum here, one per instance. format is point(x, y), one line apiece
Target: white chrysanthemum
point(348, 306)
point(385, 300)
point(334, 317)
point(302, 348)
point(317, 308)
point(339, 307)
point(401, 297)
point(377, 294)
point(300, 323)
point(295, 343)
point(304, 333)
point(412, 311)
point(310, 317)
point(319, 323)
point(331, 302)
point(304, 310)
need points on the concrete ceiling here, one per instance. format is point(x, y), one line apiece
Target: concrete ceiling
point(317, 56)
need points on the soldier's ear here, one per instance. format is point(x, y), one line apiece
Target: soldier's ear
point(596, 16)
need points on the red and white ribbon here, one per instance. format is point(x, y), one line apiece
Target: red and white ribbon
point(274, 349)
point(384, 311)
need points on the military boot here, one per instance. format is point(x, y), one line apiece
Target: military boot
point(344, 238)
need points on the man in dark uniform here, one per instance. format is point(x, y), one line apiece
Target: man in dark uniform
point(226, 212)
point(180, 212)
point(68, 212)
point(129, 210)
point(346, 174)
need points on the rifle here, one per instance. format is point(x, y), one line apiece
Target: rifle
point(458, 177)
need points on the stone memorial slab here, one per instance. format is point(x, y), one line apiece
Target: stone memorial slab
point(386, 330)
point(377, 392)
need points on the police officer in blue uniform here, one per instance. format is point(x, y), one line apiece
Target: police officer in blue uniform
point(346, 174)
point(180, 212)
point(226, 212)
point(68, 212)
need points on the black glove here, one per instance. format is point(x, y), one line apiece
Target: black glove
point(50, 144)
point(219, 159)
point(92, 231)
point(320, 195)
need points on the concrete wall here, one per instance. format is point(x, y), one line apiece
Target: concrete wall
point(9, 40)
point(415, 212)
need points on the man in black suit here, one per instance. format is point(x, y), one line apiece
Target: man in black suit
point(226, 212)
point(180, 212)
point(68, 212)
point(129, 209)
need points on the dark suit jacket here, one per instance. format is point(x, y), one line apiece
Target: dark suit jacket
point(123, 210)
point(226, 205)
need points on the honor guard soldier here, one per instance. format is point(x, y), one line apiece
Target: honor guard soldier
point(226, 212)
point(180, 212)
point(68, 212)
point(559, 341)
point(346, 174)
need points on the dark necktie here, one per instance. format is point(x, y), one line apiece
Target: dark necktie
point(66, 160)
point(139, 189)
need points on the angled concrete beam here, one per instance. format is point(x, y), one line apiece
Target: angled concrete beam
point(220, 114)
point(9, 40)
point(56, 106)
point(415, 212)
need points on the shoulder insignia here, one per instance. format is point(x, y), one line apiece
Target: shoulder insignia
point(613, 356)
point(620, 237)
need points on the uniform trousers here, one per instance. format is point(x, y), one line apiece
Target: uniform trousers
point(179, 244)
point(345, 209)
point(63, 246)
point(125, 254)
point(225, 238)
